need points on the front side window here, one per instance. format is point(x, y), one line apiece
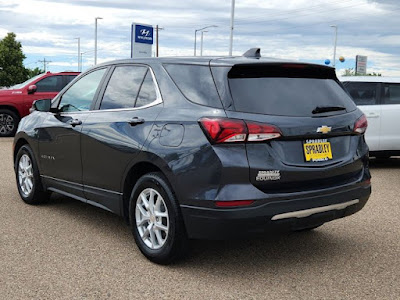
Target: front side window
point(391, 93)
point(123, 87)
point(363, 93)
point(68, 79)
point(49, 84)
point(80, 95)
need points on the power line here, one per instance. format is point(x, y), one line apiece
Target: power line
point(45, 62)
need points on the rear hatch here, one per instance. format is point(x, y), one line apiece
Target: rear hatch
point(316, 144)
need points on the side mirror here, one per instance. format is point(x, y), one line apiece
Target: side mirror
point(32, 89)
point(41, 105)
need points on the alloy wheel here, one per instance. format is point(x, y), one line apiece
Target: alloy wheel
point(6, 124)
point(152, 220)
point(25, 175)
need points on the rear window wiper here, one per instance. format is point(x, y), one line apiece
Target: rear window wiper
point(322, 109)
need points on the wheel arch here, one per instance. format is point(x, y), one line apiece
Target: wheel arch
point(137, 170)
point(12, 108)
point(17, 145)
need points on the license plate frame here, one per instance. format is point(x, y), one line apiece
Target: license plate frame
point(317, 150)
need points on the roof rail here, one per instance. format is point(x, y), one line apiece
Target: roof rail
point(253, 52)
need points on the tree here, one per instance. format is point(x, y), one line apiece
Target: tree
point(351, 72)
point(34, 72)
point(11, 61)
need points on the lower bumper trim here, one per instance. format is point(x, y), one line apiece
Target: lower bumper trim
point(308, 212)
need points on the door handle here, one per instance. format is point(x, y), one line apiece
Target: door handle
point(372, 115)
point(135, 121)
point(75, 122)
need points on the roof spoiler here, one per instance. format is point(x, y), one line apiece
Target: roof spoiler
point(253, 52)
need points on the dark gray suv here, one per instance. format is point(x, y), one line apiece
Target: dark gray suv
point(199, 148)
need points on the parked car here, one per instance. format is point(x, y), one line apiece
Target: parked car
point(199, 148)
point(379, 98)
point(16, 101)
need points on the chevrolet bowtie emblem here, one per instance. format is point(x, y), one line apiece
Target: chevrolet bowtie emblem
point(324, 129)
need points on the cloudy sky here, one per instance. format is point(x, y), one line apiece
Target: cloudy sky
point(294, 29)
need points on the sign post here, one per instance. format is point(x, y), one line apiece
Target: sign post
point(141, 40)
point(361, 64)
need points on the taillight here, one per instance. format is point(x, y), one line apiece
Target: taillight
point(223, 130)
point(261, 132)
point(360, 126)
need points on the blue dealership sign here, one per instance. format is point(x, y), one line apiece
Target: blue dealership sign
point(144, 34)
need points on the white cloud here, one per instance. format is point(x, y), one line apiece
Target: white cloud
point(293, 29)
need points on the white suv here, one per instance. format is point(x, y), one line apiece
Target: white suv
point(379, 99)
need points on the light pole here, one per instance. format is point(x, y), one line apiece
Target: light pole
point(201, 44)
point(79, 51)
point(95, 38)
point(232, 22)
point(82, 57)
point(334, 47)
point(195, 36)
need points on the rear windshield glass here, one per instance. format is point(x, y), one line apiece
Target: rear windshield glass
point(287, 91)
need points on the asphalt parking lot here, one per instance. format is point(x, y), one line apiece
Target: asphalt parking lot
point(69, 250)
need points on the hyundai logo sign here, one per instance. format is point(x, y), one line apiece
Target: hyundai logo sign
point(143, 34)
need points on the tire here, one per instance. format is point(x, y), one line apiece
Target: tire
point(8, 123)
point(29, 185)
point(157, 225)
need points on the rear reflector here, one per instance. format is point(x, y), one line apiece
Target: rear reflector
point(235, 203)
point(360, 126)
point(223, 130)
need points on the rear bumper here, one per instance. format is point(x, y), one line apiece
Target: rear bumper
point(274, 216)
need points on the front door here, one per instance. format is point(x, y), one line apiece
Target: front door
point(60, 134)
point(46, 88)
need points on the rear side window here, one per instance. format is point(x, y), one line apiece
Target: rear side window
point(147, 93)
point(196, 83)
point(363, 93)
point(391, 93)
point(286, 90)
point(49, 84)
point(123, 87)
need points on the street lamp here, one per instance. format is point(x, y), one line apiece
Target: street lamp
point(201, 47)
point(95, 38)
point(195, 35)
point(82, 57)
point(79, 51)
point(334, 47)
point(232, 22)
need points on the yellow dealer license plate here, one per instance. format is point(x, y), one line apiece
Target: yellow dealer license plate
point(317, 150)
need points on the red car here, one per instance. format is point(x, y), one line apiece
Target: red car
point(16, 101)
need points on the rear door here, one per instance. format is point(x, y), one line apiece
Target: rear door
point(366, 95)
point(315, 117)
point(390, 117)
point(114, 134)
